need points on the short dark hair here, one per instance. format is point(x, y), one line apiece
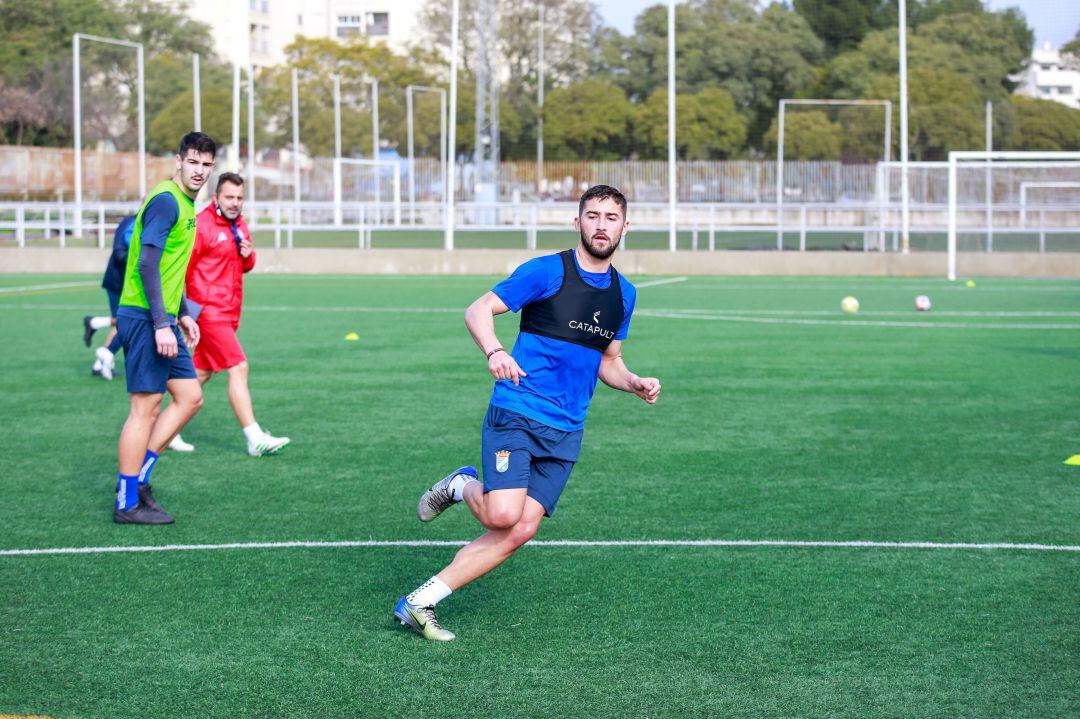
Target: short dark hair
point(230, 177)
point(602, 192)
point(200, 142)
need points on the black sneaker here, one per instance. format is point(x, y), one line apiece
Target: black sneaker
point(88, 331)
point(141, 514)
point(146, 497)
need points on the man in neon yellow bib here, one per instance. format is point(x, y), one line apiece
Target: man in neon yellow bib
point(151, 316)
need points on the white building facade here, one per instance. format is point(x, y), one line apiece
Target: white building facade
point(1048, 77)
point(256, 32)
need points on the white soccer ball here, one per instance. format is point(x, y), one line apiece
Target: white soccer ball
point(849, 305)
point(922, 303)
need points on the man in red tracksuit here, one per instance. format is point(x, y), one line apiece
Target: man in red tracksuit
point(215, 280)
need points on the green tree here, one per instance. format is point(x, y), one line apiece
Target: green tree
point(842, 24)
point(808, 135)
point(946, 111)
point(586, 121)
point(1045, 125)
point(707, 126)
point(357, 61)
point(757, 57)
point(35, 55)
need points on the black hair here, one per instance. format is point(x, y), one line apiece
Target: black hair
point(602, 192)
point(230, 177)
point(200, 142)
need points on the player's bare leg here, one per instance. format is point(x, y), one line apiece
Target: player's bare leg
point(187, 400)
point(240, 395)
point(135, 436)
point(417, 610)
point(495, 546)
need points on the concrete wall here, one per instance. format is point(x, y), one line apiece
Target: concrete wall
point(654, 262)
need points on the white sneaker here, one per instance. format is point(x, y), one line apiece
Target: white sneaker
point(266, 444)
point(179, 445)
point(104, 363)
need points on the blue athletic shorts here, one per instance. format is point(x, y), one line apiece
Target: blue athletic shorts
point(521, 452)
point(114, 302)
point(147, 371)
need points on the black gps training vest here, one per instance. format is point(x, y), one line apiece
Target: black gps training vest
point(578, 312)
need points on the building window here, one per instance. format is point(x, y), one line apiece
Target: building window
point(378, 24)
point(264, 38)
point(1065, 90)
point(348, 25)
point(299, 21)
point(1044, 90)
point(1044, 66)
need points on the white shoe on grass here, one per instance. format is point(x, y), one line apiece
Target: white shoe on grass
point(266, 444)
point(104, 362)
point(179, 445)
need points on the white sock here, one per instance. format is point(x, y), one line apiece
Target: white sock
point(429, 593)
point(253, 432)
point(104, 355)
point(457, 484)
point(100, 323)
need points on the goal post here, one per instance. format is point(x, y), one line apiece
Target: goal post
point(378, 167)
point(995, 160)
point(786, 102)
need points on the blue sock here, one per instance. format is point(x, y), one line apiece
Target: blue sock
point(127, 491)
point(115, 345)
point(147, 467)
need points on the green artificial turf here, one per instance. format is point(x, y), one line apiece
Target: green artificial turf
point(780, 419)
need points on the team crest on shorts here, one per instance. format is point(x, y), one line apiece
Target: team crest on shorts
point(502, 460)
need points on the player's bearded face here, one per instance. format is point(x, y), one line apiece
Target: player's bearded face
point(602, 226)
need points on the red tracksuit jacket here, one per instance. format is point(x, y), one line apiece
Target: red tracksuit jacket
point(215, 275)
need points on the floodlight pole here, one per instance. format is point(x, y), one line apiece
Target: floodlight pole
point(77, 102)
point(411, 158)
point(195, 90)
point(76, 83)
point(905, 208)
point(780, 178)
point(337, 150)
point(251, 144)
point(234, 161)
point(451, 147)
point(296, 138)
point(672, 169)
point(375, 146)
point(989, 178)
point(540, 105)
point(337, 116)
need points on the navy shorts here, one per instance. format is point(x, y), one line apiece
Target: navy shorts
point(114, 302)
point(147, 371)
point(521, 452)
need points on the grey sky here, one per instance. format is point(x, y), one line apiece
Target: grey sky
point(1055, 21)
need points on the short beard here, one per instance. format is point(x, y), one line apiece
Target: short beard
point(597, 253)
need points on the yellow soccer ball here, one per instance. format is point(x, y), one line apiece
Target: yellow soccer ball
point(849, 305)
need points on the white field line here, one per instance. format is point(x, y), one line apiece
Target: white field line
point(855, 544)
point(846, 322)
point(54, 286)
point(922, 288)
point(656, 283)
point(707, 314)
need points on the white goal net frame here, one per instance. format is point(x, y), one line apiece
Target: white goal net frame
point(990, 160)
point(340, 162)
point(886, 155)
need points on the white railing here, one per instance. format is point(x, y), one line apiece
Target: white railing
point(53, 223)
